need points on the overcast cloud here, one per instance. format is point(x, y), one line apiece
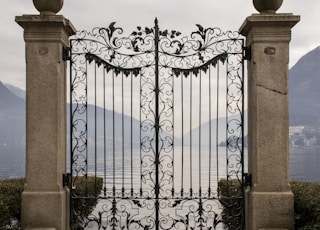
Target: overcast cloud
point(181, 15)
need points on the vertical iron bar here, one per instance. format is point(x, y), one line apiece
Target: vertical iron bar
point(131, 136)
point(191, 136)
point(140, 130)
point(210, 123)
point(200, 92)
point(95, 128)
point(157, 120)
point(113, 157)
point(122, 121)
point(86, 160)
point(113, 137)
point(227, 125)
point(104, 134)
point(173, 177)
point(200, 154)
point(217, 125)
point(182, 131)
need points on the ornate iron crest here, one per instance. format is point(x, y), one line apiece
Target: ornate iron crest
point(155, 198)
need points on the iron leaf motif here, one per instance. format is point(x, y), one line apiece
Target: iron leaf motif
point(137, 202)
point(176, 203)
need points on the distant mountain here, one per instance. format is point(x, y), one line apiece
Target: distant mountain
point(8, 100)
point(95, 118)
point(304, 90)
point(17, 91)
point(218, 130)
point(12, 126)
point(304, 109)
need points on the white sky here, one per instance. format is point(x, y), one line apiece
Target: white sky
point(181, 15)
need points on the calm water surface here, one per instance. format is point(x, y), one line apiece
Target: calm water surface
point(304, 164)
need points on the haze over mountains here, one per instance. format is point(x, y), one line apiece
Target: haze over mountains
point(12, 134)
point(12, 124)
point(304, 109)
point(304, 90)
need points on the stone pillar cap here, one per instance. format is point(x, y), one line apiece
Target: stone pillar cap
point(275, 20)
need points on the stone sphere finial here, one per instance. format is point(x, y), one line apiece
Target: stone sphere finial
point(48, 7)
point(267, 6)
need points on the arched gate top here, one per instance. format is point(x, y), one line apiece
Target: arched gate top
point(184, 54)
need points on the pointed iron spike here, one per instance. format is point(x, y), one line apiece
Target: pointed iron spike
point(156, 21)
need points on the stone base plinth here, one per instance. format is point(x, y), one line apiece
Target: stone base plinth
point(46, 204)
point(40, 229)
point(273, 229)
point(270, 210)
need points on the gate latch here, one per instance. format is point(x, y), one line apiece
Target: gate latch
point(247, 179)
point(67, 180)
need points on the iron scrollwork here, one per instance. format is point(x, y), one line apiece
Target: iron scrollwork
point(157, 58)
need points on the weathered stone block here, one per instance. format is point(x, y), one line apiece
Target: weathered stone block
point(44, 200)
point(269, 203)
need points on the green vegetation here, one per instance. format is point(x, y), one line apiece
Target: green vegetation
point(306, 203)
point(91, 188)
point(231, 198)
point(10, 200)
point(10, 203)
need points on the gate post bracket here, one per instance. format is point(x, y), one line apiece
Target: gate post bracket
point(247, 178)
point(66, 53)
point(66, 180)
point(247, 53)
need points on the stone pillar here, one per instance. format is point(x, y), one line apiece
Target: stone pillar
point(269, 201)
point(45, 202)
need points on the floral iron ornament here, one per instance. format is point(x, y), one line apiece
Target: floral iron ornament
point(166, 79)
point(183, 54)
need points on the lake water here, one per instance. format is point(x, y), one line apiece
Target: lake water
point(188, 172)
point(304, 165)
point(12, 168)
point(202, 167)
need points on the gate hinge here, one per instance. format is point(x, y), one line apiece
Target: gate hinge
point(67, 180)
point(66, 53)
point(247, 53)
point(247, 178)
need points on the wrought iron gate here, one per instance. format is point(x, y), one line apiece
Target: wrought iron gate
point(157, 129)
